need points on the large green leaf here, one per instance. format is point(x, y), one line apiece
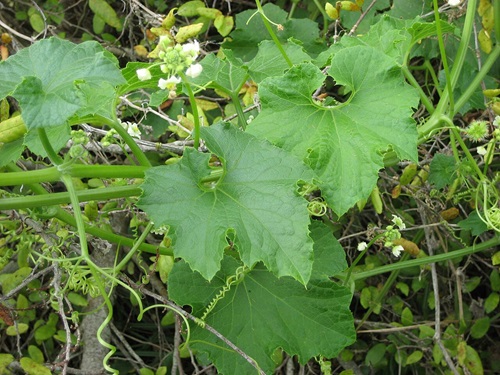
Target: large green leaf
point(221, 74)
point(53, 79)
point(262, 313)
point(269, 62)
point(254, 203)
point(250, 31)
point(342, 143)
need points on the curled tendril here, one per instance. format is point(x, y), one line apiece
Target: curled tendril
point(230, 281)
point(490, 213)
point(317, 207)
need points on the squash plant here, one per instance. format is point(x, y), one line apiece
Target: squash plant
point(241, 211)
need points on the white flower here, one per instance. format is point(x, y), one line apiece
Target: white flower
point(362, 246)
point(168, 83)
point(398, 222)
point(132, 129)
point(143, 74)
point(496, 121)
point(194, 70)
point(454, 3)
point(396, 250)
point(192, 49)
point(481, 150)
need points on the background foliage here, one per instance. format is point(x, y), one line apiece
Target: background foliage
point(388, 110)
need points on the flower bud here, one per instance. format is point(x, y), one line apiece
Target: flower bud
point(194, 70)
point(143, 74)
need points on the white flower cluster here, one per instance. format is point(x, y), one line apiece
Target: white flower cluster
point(391, 233)
point(173, 61)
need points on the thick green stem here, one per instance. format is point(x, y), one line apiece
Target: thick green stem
point(52, 199)
point(423, 98)
point(194, 109)
point(53, 174)
point(239, 110)
point(53, 156)
point(444, 59)
point(271, 32)
point(479, 77)
point(490, 244)
point(134, 147)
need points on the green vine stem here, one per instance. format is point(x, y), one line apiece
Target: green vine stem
point(53, 174)
point(53, 199)
point(134, 147)
point(486, 245)
point(97, 232)
point(194, 109)
point(235, 99)
point(271, 32)
point(53, 156)
point(444, 58)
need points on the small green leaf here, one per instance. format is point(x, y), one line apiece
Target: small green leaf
point(443, 170)
point(375, 355)
point(36, 354)
point(5, 360)
point(15, 279)
point(146, 371)
point(162, 370)
point(36, 21)
point(495, 259)
point(13, 331)
point(98, 24)
point(426, 332)
point(414, 357)
point(474, 224)
point(491, 302)
point(102, 9)
point(407, 317)
point(190, 8)
point(472, 283)
point(404, 288)
point(77, 299)
point(45, 332)
point(480, 327)
point(33, 368)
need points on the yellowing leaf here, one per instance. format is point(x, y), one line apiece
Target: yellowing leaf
point(224, 24)
point(102, 9)
point(190, 8)
point(187, 32)
point(33, 368)
point(13, 331)
point(485, 41)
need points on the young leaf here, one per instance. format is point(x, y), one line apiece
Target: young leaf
point(262, 313)
point(52, 80)
point(342, 143)
point(255, 200)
